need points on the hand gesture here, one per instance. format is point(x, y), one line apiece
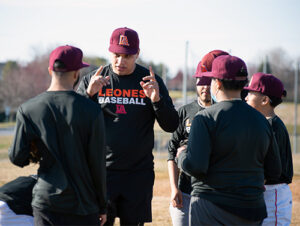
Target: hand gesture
point(97, 82)
point(151, 88)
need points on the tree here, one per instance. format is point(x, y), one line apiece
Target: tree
point(23, 82)
point(159, 69)
point(281, 66)
point(95, 61)
point(265, 66)
point(9, 67)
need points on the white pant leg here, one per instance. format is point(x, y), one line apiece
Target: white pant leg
point(180, 216)
point(9, 218)
point(278, 200)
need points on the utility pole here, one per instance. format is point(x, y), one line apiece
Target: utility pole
point(265, 65)
point(185, 74)
point(296, 105)
point(164, 74)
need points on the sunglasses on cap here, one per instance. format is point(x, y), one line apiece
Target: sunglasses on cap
point(203, 68)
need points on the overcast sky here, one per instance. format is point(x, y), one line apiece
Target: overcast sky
point(246, 28)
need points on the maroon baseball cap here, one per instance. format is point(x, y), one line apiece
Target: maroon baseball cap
point(124, 41)
point(266, 84)
point(228, 67)
point(206, 63)
point(70, 56)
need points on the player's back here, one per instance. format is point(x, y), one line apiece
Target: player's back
point(63, 123)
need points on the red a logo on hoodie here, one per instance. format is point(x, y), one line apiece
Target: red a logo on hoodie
point(120, 109)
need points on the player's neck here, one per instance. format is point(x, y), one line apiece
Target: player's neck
point(228, 95)
point(269, 112)
point(60, 85)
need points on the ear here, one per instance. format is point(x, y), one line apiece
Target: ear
point(265, 100)
point(219, 84)
point(50, 71)
point(137, 54)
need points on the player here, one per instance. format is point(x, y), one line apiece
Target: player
point(230, 149)
point(138, 97)
point(181, 184)
point(64, 132)
point(265, 93)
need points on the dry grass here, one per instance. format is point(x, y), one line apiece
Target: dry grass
point(286, 112)
point(160, 203)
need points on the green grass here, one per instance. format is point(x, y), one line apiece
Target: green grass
point(290, 129)
point(5, 142)
point(7, 124)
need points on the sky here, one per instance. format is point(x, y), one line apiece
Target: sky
point(245, 28)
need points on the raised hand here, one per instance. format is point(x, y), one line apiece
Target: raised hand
point(97, 82)
point(151, 88)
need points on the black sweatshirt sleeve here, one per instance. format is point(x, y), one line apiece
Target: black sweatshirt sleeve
point(272, 163)
point(177, 137)
point(96, 151)
point(20, 148)
point(195, 160)
point(165, 112)
point(283, 141)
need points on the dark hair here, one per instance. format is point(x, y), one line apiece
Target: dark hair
point(275, 101)
point(59, 66)
point(233, 84)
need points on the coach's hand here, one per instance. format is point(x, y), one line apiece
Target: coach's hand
point(102, 219)
point(151, 88)
point(176, 198)
point(97, 82)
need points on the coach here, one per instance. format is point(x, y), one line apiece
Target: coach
point(137, 97)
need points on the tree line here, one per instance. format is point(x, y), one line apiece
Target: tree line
point(19, 83)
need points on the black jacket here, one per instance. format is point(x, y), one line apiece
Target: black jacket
point(68, 130)
point(180, 137)
point(231, 149)
point(130, 139)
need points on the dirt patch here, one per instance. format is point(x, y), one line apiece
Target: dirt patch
point(161, 198)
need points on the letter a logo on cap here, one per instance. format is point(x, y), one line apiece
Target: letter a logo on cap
point(123, 40)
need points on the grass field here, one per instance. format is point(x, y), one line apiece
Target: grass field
point(160, 202)
point(6, 124)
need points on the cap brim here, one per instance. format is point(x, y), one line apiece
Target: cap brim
point(204, 81)
point(84, 64)
point(122, 50)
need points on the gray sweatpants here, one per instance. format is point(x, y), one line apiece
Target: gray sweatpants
point(180, 216)
point(204, 212)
